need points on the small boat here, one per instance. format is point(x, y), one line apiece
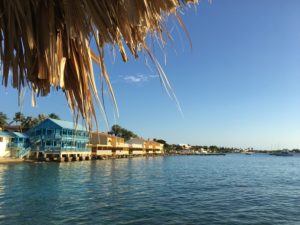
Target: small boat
point(249, 153)
point(282, 153)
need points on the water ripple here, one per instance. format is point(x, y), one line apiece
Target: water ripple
point(233, 189)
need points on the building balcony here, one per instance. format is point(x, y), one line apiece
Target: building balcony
point(16, 145)
point(57, 136)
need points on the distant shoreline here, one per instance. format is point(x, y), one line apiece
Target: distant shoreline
point(195, 154)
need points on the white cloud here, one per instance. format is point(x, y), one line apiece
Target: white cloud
point(138, 78)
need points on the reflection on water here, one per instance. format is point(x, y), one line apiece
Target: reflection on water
point(234, 189)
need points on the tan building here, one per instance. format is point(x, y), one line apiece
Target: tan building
point(153, 147)
point(103, 144)
point(141, 146)
point(136, 146)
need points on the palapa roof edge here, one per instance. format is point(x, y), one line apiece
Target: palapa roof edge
point(46, 44)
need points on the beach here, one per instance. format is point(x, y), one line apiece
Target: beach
point(11, 161)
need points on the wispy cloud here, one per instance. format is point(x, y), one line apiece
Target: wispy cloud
point(138, 78)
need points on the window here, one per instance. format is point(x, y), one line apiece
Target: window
point(49, 132)
point(48, 143)
point(64, 132)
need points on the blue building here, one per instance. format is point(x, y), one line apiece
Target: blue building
point(19, 145)
point(14, 144)
point(58, 138)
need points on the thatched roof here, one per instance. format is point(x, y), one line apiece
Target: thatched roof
point(46, 43)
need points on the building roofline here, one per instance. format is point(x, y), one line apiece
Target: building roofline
point(105, 134)
point(66, 124)
point(6, 134)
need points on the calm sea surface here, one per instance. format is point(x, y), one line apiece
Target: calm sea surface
point(232, 189)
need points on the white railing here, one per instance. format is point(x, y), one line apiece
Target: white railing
point(24, 152)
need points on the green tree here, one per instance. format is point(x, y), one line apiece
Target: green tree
point(29, 122)
point(41, 117)
point(116, 130)
point(19, 117)
point(54, 116)
point(160, 141)
point(167, 147)
point(3, 119)
point(122, 132)
point(213, 148)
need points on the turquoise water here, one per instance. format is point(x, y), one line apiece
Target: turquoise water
point(231, 189)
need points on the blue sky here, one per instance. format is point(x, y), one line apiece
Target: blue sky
point(238, 86)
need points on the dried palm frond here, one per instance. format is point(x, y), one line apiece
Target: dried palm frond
point(46, 43)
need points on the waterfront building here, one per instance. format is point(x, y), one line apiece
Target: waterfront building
point(59, 139)
point(19, 145)
point(139, 146)
point(103, 144)
point(13, 144)
point(5, 139)
point(13, 127)
point(136, 146)
point(153, 147)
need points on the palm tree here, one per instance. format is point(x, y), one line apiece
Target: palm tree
point(54, 116)
point(41, 117)
point(53, 29)
point(19, 117)
point(29, 122)
point(3, 119)
point(122, 132)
